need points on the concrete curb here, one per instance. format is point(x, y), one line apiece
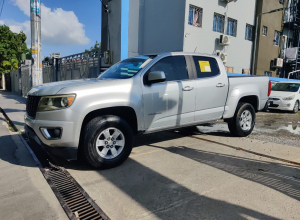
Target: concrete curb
point(9, 122)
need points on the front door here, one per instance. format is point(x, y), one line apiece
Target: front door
point(171, 103)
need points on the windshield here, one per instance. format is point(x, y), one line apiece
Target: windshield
point(126, 68)
point(286, 87)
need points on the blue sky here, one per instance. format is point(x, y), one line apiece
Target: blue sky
point(68, 26)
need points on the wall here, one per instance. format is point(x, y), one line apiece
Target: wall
point(159, 25)
point(266, 50)
point(133, 29)
point(114, 20)
point(207, 41)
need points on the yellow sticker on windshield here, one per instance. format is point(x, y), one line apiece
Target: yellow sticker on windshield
point(205, 66)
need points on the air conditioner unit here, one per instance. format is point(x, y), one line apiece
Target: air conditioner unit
point(224, 40)
point(278, 63)
point(223, 56)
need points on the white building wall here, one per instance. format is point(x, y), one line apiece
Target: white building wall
point(207, 41)
point(133, 28)
point(155, 26)
point(162, 26)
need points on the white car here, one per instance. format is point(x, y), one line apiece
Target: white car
point(285, 96)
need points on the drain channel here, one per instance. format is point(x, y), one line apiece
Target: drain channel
point(75, 201)
point(77, 204)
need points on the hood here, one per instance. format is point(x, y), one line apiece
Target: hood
point(280, 94)
point(54, 87)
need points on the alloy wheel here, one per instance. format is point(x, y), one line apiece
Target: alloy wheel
point(246, 120)
point(110, 143)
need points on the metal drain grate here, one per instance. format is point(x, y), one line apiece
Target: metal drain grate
point(75, 201)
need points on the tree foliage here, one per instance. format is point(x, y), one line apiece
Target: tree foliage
point(12, 45)
point(95, 48)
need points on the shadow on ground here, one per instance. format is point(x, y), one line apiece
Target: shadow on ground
point(166, 199)
point(8, 150)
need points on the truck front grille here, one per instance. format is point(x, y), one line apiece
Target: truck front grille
point(32, 105)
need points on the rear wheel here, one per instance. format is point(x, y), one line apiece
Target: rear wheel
point(242, 124)
point(108, 142)
point(296, 107)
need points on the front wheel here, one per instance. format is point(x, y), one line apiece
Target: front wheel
point(242, 124)
point(108, 141)
point(296, 107)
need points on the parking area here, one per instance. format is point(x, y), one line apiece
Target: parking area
point(280, 127)
point(191, 173)
point(196, 173)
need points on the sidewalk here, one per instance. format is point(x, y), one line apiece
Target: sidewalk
point(24, 194)
point(14, 106)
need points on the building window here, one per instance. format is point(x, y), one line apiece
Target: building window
point(195, 16)
point(277, 38)
point(231, 27)
point(249, 32)
point(265, 31)
point(218, 25)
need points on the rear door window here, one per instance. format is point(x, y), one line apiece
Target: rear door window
point(206, 67)
point(174, 68)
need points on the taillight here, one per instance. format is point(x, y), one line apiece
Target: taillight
point(270, 86)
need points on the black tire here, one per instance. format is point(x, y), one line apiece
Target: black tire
point(234, 125)
point(296, 107)
point(93, 129)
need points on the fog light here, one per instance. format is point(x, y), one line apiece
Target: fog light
point(288, 105)
point(51, 133)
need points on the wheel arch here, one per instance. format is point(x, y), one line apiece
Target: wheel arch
point(124, 112)
point(251, 99)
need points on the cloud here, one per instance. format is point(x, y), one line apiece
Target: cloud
point(59, 27)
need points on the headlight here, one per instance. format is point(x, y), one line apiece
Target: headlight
point(289, 98)
point(50, 103)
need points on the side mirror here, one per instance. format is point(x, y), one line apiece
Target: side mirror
point(156, 77)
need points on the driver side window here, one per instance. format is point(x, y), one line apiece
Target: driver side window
point(174, 68)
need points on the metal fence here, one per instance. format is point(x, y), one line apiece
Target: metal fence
point(77, 66)
point(25, 79)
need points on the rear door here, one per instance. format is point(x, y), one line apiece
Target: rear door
point(212, 88)
point(171, 103)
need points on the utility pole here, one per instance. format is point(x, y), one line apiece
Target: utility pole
point(35, 17)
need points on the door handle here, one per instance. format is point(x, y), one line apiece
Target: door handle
point(220, 85)
point(188, 88)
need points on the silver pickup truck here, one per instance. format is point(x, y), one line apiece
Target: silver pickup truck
point(98, 118)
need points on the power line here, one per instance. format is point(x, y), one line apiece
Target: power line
point(2, 8)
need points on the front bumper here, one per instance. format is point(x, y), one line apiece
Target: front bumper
point(65, 152)
point(67, 145)
point(281, 104)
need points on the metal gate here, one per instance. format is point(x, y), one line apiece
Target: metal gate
point(78, 66)
point(7, 82)
point(26, 79)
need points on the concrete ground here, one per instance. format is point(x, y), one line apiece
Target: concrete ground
point(172, 175)
point(14, 106)
point(195, 174)
point(24, 194)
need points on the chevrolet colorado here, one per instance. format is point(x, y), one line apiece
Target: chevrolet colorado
point(98, 118)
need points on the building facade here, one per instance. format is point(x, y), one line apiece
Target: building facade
point(269, 37)
point(193, 25)
point(291, 40)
